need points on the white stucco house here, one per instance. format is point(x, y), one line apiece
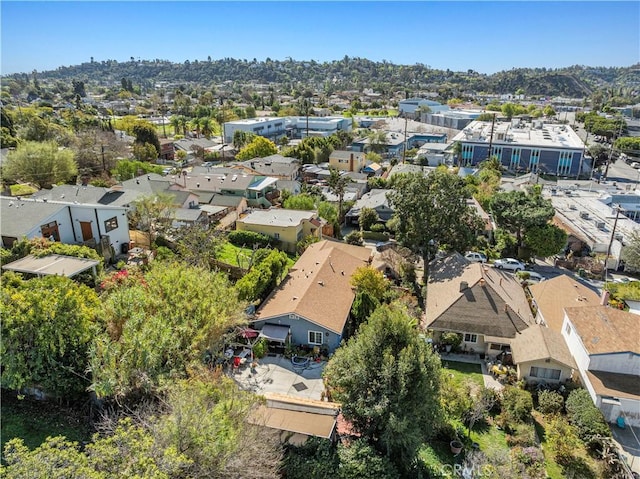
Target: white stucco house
point(605, 344)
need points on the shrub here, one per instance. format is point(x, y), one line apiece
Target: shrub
point(451, 339)
point(260, 348)
point(372, 235)
point(550, 402)
point(586, 417)
point(522, 435)
point(377, 228)
point(164, 253)
point(354, 238)
point(516, 404)
point(249, 239)
point(563, 439)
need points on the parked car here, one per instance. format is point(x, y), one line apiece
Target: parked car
point(510, 264)
point(475, 257)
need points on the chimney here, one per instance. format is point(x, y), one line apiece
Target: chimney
point(463, 285)
point(604, 298)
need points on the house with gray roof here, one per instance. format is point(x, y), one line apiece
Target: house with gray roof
point(288, 227)
point(64, 221)
point(277, 166)
point(375, 199)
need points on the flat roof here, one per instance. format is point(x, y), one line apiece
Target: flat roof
point(508, 134)
point(53, 264)
point(277, 217)
point(307, 423)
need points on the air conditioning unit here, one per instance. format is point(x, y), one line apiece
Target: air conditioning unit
point(584, 215)
point(572, 207)
point(618, 236)
point(600, 224)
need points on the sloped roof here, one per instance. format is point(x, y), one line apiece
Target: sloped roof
point(605, 330)
point(318, 287)
point(539, 342)
point(474, 298)
point(277, 217)
point(553, 295)
point(21, 216)
point(615, 384)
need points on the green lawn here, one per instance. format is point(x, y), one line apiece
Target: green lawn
point(464, 371)
point(34, 421)
point(237, 256)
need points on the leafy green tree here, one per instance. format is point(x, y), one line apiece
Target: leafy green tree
point(370, 280)
point(629, 145)
point(302, 202)
point(359, 459)
point(631, 251)
point(262, 278)
point(377, 141)
point(128, 169)
point(43, 164)
point(517, 212)
point(368, 217)
point(145, 133)
point(259, 147)
point(545, 241)
point(434, 212)
point(169, 319)
point(152, 214)
point(145, 152)
point(48, 324)
point(388, 382)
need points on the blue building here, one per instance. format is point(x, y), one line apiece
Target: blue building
point(312, 306)
point(534, 147)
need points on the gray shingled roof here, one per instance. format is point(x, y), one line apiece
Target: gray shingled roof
point(20, 216)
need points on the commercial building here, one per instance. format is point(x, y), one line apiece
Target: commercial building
point(291, 127)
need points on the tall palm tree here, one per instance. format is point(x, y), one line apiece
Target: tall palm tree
point(206, 126)
point(337, 186)
point(174, 121)
point(196, 124)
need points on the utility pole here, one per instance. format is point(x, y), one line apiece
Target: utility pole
point(584, 151)
point(613, 140)
point(404, 150)
point(613, 232)
point(104, 165)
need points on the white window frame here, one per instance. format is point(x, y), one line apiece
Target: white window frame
point(473, 338)
point(534, 160)
point(315, 333)
point(544, 373)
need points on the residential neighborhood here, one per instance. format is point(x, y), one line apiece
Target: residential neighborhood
point(303, 269)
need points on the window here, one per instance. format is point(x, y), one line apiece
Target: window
point(276, 236)
point(534, 159)
point(315, 337)
point(111, 224)
point(545, 373)
point(564, 163)
point(497, 152)
point(568, 329)
point(467, 153)
point(470, 338)
point(495, 347)
point(514, 164)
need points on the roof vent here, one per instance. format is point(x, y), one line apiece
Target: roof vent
point(463, 285)
point(321, 283)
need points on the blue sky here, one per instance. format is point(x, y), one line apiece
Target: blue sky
point(484, 36)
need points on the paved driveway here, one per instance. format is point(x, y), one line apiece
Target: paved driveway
point(277, 375)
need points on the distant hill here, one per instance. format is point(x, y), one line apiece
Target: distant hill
point(355, 73)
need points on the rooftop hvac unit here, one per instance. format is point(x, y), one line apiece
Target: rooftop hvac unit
point(584, 215)
point(618, 237)
point(573, 207)
point(600, 225)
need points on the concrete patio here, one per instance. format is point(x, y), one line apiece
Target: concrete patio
point(276, 374)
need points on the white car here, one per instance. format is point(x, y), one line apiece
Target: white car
point(475, 257)
point(509, 264)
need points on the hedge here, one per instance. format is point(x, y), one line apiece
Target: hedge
point(585, 416)
point(372, 235)
point(249, 239)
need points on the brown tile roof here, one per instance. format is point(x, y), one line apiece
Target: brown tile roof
point(615, 384)
point(539, 342)
point(318, 287)
point(606, 330)
point(553, 295)
point(491, 302)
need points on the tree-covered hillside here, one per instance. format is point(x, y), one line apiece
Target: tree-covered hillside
point(354, 73)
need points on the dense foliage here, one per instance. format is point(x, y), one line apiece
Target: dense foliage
point(47, 326)
point(156, 328)
point(388, 381)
